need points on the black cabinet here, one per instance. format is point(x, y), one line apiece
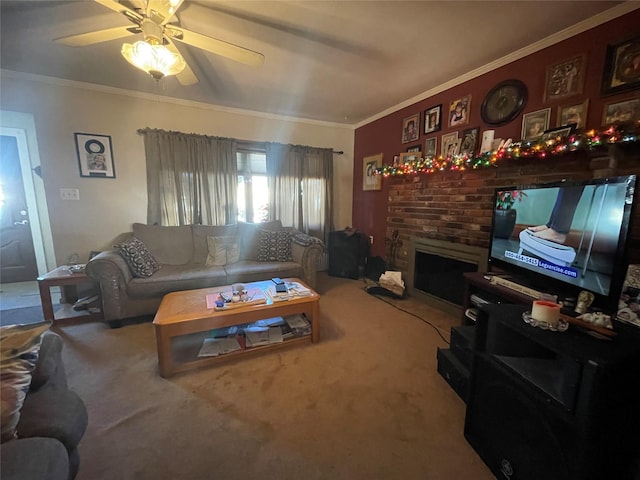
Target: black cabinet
point(559, 405)
point(347, 254)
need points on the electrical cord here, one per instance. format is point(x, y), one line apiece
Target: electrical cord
point(389, 302)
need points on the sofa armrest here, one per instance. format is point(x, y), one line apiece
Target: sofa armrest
point(35, 458)
point(309, 258)
point(112, 273)
point(49, 367)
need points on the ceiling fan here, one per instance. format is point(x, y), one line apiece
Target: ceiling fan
point(157, 54)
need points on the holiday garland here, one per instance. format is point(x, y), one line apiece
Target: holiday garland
point(586, 141)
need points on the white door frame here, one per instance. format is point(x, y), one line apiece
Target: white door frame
point(22, 127)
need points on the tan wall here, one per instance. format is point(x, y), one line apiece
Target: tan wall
point(108, 207)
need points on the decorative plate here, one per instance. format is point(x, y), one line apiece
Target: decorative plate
point(504, 102)
point(561, 327)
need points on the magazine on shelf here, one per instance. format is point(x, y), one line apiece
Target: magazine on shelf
point(299, 324)
point(212, 347)
point(294, 290)
point(269, 335)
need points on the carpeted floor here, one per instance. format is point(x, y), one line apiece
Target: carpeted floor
point(365, 402)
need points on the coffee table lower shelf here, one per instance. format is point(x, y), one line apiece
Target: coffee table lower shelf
point(185, 349)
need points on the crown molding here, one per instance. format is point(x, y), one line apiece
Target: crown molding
point(583, 26)
point(61, 82)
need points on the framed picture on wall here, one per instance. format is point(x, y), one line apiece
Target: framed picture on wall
point(469, 142)
point(459, 111)
point(431, 147)
point(450, 144)
point(621, 112)
point(411, 128)
point(534, 124)
point(95, 155)
point(415, 148)
point(622, 67)
point(371, 181)
point(565, 79)
point(573, 113)
point(433, 119)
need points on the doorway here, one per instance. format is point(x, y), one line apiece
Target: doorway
point(18, 130)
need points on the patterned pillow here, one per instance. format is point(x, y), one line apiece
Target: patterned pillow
point(223, 250)
point(19, 348)
point(138, 257)
point(274, 246)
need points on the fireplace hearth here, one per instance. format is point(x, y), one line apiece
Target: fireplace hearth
point(436, 271)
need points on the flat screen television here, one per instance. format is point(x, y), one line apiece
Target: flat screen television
point(565, 237)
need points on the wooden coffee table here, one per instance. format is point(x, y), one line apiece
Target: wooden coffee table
point(183, 321)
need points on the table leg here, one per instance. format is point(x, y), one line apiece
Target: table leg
point(315, 322)
point(163, 343)
point(45, 299)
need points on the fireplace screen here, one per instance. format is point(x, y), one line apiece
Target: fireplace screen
point(441, 276)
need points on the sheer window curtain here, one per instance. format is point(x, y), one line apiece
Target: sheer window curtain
point(301, 187)
point(190, 178)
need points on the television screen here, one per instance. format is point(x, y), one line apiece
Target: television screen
point(565, 237)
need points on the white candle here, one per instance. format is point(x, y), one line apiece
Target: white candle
point(545, 311)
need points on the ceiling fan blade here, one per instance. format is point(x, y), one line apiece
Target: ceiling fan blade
point(96, 37)
point(219, 47)
point(186, 77)
point(161, 11)
point(132, 15)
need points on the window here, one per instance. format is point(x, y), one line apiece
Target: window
point(253, 191)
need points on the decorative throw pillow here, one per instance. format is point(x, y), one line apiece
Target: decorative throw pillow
point(138, 257)
point(19, 348)
point(274, 246)
point(305, 240)
point(223, 250)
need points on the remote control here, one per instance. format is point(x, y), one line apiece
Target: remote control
point(277, 280)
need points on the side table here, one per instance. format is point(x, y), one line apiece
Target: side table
point(62, 277)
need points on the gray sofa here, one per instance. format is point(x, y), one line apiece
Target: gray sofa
point(182, 253)
point(53, 420)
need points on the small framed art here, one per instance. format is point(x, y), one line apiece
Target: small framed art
point(573, 113)
point(450, 144)
point(469, 142)
point(560, 132)
point(459, 111)
point(534, 124)
point(95, 155)
point(621, 112)
point(433, 119)
point(565, 78)
point(415, 148)
point(622, 67)
point(371, 181)
point(408, 157)
point(411, 128)
point(431, 147)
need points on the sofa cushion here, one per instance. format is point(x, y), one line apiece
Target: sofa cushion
point(19, 347)
point(49, 368)
point(249, 234)
point(274, 246)
point(246, 271)
point(169, 245)
point(177, 277)
point(34, 458)
point(200, 234)
point(223, 250)
point(140, 260)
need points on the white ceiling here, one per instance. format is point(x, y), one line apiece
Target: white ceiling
point(335, 61)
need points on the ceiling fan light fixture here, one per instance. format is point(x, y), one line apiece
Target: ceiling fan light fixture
point(157, 60)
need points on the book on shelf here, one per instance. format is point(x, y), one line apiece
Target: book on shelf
point(299, 324)
point(212, 347)
point(265, 336)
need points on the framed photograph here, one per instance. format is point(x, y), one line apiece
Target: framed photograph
point(621, 112)
point(565, 78)
point(560, 132)
point(621, 67)
point(469, 142)
point(534, 124)
point(574, 113)
point(371, 181)
point(431, 147)
point(95, 155)
point(411, 128)
point(415, 148)
point(450, 144)
point(433, 119)
point(459, 111)
point(408, 157)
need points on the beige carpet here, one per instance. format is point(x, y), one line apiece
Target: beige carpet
point(365, 402)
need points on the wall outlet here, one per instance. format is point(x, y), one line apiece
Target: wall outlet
point(370, 239)
point(69, 194)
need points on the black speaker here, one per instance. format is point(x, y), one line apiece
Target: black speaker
point(347, 254)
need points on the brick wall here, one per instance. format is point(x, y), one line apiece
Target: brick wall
point(457, 206)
